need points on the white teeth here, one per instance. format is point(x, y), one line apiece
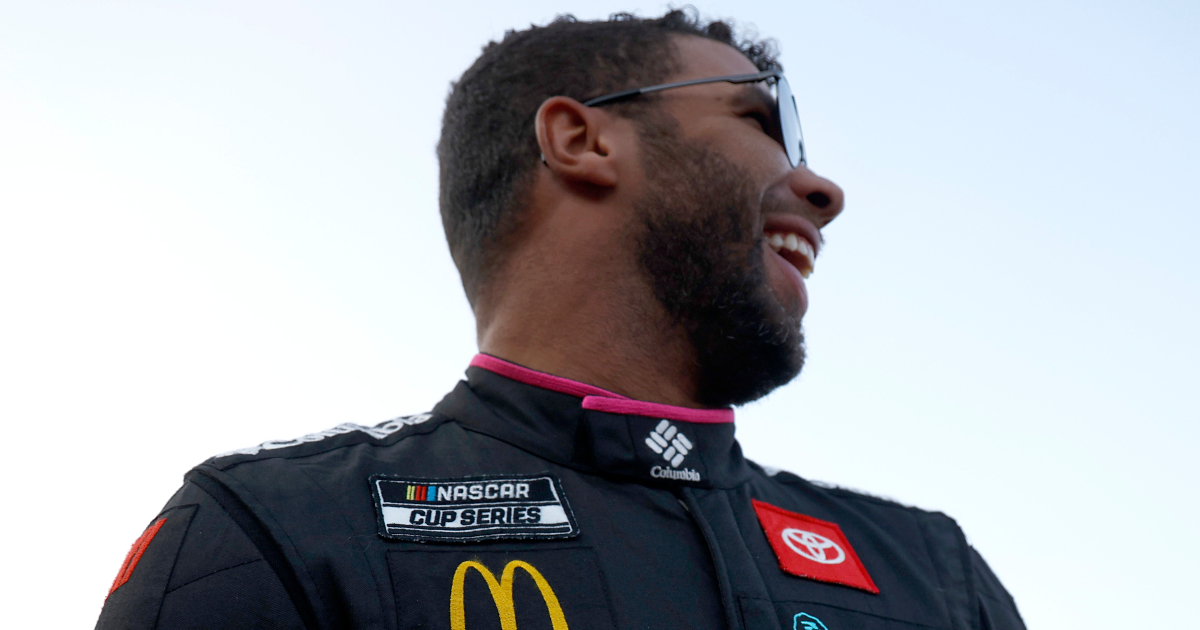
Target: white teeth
point(793, 243)
point(807, 249)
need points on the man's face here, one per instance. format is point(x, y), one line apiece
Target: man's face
point(718, 186)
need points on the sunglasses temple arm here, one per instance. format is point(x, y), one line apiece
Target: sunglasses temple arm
point(615, 96)
point(735, 78)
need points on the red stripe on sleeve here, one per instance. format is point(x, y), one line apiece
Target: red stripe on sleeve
point(135, 554)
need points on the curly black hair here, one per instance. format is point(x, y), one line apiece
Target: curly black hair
point(488, 149)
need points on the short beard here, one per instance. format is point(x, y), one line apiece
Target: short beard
point(700, 247)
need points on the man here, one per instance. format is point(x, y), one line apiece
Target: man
point(634, 251)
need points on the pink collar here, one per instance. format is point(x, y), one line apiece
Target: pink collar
point(597, 399)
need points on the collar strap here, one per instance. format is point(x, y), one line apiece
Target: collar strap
point(597, 399)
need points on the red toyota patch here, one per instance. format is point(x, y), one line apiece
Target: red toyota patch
point(811, 548)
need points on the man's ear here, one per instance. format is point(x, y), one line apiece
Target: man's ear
point(576, 141)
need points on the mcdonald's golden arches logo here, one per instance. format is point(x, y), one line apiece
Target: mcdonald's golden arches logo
point(502, 594)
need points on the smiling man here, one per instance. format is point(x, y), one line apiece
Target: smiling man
point(631, 209)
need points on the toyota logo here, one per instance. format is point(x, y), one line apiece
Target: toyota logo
point(815, 547)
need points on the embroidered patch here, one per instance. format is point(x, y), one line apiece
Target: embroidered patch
point(811, 548)
point(470, 509)
point(805, 621)
point(135, 555)
point(552, 587)
point(674, 451)
point(669, 452)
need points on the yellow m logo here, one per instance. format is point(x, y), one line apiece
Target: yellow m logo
point(502, 594)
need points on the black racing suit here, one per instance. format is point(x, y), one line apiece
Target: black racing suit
point(528, 500)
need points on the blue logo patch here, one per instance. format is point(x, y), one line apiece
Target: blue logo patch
point(805, 621)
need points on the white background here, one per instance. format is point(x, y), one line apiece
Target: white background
point(218, 226)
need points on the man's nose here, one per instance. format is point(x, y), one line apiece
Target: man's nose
point(824, 198)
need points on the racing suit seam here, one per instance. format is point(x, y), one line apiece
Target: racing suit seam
point(291, 542)
point(994, 598)
point(350, 528)
point(719, 567)
point(195, 508)
point(580, 470)
point(1002, 597)
point(742, 610)
point(212, 573)
point(545, 456)
point(632, 440)
point(938, 570)
point(303, 607)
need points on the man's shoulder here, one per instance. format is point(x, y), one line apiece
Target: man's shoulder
point(904, 534)
point(303, 489)
point(848, 497)
point(335, 465)
point(390, 433)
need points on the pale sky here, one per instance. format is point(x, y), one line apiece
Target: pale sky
point(218, 226)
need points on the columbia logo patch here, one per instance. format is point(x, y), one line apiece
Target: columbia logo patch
point(667, 441)
point(472, 508)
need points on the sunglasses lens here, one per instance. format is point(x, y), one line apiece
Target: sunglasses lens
point(789, 123)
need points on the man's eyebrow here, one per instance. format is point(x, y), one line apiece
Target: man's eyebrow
point(749, 94)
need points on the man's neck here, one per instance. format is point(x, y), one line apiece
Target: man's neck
point(615, 342)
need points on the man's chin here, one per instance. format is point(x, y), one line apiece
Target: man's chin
point(744, 372)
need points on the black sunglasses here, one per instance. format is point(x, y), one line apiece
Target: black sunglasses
point(786, 114)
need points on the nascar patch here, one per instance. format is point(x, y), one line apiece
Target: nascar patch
point(469, 509)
